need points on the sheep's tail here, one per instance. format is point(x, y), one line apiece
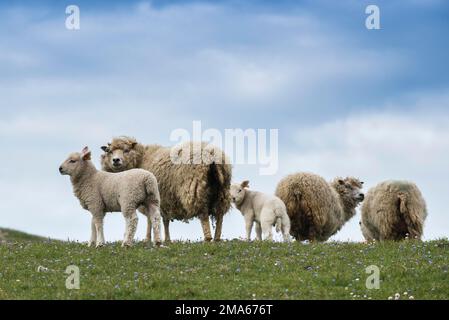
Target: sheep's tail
point(280, 213)
point(219, 174)
point(411, 216)
point(282, 222)
point(152, 190)
point(219, 181)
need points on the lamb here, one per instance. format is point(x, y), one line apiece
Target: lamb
point(101, 192)
point(197, 186)
point(393, 210)
point(318, 209)
point(265, 210)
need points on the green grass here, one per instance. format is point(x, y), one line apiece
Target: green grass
point(13, 235)
point(226, 270)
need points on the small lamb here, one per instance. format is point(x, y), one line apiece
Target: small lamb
point(101, 192)
point(265, 210)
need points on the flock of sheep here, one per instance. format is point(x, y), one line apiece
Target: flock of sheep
point(305, 206)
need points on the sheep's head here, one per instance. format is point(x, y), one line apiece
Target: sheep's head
point(350, 191)
point(76, 163)
point(121, 154)
point(238, 192)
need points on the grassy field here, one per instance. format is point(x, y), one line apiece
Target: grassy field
point(13, 235)
point(34, 269)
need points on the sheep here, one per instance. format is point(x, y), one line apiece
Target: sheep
point(101, 192)
point(197, 186)
point(393, 210)
point(265, 210)
point(318, 209)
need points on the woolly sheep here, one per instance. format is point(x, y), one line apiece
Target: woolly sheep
point(197, 189)
point(318, 209)
point(101, 192)
point(265, 210)
point(392, 210)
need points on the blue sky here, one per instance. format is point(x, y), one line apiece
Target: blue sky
point(346, 100)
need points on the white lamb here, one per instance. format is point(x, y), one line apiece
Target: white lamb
point(101, 192)
point(266, 210)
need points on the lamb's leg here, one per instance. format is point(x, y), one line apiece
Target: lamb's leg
point(267, 218)
point(98, 221)
point(249, 226)
point(258, 231)
point(286, 233)
point(267, 232)
point(286, 227)
point(131, 226)
point(167, 229)
point(155, 215)
point(206, 228)
point(145, 212)
point(149, 227)
point(218, 227)
point(93, 233)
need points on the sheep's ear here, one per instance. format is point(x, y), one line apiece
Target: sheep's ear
point(105, 149)
point(87, 156)
point(245, 184)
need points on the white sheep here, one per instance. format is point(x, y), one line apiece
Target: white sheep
point(266, 210)
point(188, 190)
point(393, 210)
point(318, 209)
point(101, 192)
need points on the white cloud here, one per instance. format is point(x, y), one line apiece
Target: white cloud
point(184, 55)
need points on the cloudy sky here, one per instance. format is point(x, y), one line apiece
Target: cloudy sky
point(346, 100)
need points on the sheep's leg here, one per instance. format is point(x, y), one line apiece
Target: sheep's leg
point(267, 226)
point(249, 227)
point(131, 227)
point(145, 212)
point(206, 228)
point(149, 227)
point(98, 220)
point(93, 233)
point(167, 229)
point(258, 231)
point(218, 227)
point(155, 215)
point(286, 228)
point(286, 233)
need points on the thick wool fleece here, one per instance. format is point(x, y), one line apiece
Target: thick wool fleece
point(318, 209)
point(101, 192)
point(187, 190)
point(393, 210)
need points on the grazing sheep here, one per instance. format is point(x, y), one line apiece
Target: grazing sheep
point(102, 192)
point(197, 186)
point(265, 210)
point(392, 210)
point(318, 209)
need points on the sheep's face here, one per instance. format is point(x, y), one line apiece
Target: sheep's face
point(350, 189)
point(238, 192)
point(75, 163)
point(120, 155)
